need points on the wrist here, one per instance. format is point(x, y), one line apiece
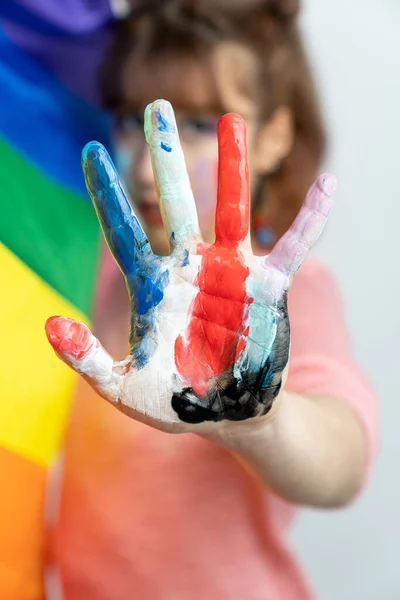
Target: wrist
point(237, 434)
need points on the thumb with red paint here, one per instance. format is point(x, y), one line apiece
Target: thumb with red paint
point(74, 343)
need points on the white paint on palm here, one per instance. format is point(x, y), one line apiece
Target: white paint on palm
point(148, 390)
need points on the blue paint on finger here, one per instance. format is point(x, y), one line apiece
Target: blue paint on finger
point(123, 233)
point(146, 274)
point(166, 147)
point(163, 124)
point(149, 288)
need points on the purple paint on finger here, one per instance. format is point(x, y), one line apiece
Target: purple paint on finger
point(293, 247)
point(327, 183)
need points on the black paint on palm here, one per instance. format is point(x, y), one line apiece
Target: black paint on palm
point(239, 399)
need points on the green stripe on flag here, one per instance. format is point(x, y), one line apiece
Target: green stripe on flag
point(54, 231)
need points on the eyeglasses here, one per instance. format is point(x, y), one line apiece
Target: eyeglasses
point(191, 127)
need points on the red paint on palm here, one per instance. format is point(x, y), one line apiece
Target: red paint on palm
point(69, 337)
point(209, 344)
point(213, 336)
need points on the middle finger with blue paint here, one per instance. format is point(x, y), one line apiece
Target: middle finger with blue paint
point(177, 203)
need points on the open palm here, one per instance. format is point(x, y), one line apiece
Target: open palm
point(209, 336)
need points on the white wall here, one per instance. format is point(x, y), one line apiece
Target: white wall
point(355, 46)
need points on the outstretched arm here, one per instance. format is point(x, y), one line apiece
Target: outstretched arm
point(315, 447)
point(210, 335)
point(311, 451)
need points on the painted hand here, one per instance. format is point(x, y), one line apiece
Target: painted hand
point(209, 337)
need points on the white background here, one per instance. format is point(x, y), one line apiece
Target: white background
point(355, 48)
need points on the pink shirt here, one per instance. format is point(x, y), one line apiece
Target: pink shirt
point(154, 516)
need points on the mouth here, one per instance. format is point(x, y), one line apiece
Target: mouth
point(150, 212)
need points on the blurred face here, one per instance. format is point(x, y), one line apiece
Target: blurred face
point(197, 119)
point(199, 143)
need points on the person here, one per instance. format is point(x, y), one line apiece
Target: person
point(149, 514)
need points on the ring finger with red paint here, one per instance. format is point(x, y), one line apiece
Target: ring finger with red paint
point(215, 335)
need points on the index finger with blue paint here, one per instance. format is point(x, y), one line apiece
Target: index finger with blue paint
point(122, 230)
point(177, 203)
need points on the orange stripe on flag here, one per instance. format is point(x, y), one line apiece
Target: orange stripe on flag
point(21, 527)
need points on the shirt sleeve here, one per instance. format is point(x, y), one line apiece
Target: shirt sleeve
point(322, 360)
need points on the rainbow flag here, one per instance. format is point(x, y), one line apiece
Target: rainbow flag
point(49, 248)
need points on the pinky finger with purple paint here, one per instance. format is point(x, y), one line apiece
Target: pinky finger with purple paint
point(291, 250)
point(74, 343)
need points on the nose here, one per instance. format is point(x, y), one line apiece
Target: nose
point(142, 168)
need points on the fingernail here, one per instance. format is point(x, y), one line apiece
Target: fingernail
point(232, 121)
point(97, 163)
point(159, 115)
point(327, 183)
point(69, 337)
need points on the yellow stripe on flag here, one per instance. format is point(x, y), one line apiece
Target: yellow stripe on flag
point(35, 386)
